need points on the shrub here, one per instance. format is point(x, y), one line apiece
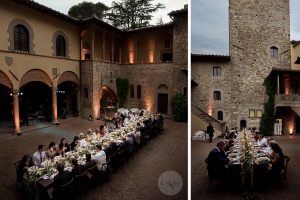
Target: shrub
point(179, 107)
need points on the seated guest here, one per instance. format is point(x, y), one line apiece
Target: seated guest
point(105, 128)
point(141, 113)
point(255, 133)
point(89, 162)
point(268, 150)
point(111, 149)
point(102, 133)
point(53, 150)
point(89, 135)
point(63, 177)
point(64, 146)
point(111, 126)
point(99, 157)
point(262, 141)
point(130, 142)
point(138, 135)
point(277, 159)
point(217, 160)
point(23, 166)
point(82, 142)
point(77, 169)
point(74, 143)
point(39, 156)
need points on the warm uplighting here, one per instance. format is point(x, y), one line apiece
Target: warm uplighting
point(149, 103)
point(291, 130)
point(150, 56)
point(131, 57)
point(131, 51)
point(209, 110)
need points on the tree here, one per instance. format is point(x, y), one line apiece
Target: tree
point(179, 107)
point(132, 14)
point(160, 22)
point(122, 90)
point(87, 9)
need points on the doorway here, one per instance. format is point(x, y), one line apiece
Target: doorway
point(162, 103)
point(243, 124)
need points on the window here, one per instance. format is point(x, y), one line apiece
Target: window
point(274, 52)
point(255, 113)
point(21, 38)
point(167, 44)
point(60, 46)
point(220, 115)
point(85, 93)
point(258, 113)
point(166, 57)
point(251, 113)
point(217, 95)
point(139, 92)
point(131, 91)
point(216, 71)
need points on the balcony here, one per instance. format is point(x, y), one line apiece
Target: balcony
point(287, 100)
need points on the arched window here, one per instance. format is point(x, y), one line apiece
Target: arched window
point(167, 44)
point(60, 46)
point(85, 93)
point(274, 52)
point(217, 95)
point(220, 115)
point(21, 38)
point(139, 92)
point(131, 91)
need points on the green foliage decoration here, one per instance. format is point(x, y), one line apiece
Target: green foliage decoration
point(179, 107)
point(268, 117)
point(122, 90)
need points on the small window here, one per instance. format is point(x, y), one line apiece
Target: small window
point(166, 57)
point(86, 93)
point(167, 44)
point(258, 113)
point(60, 46)
point(139, 92)
point(216, 71)
point(21, 38)
point(251, 113)
point(217, 95)
point(131, 91)
point(274, 52)
point(220, 115)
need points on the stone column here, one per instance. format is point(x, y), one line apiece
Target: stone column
point(103, 46)
point(120, 55)
point(113, 50)
point(16, 111)
point(54, 106)
point(154, 52)
point(135, 51)
point(278, 84)
point(93, 45)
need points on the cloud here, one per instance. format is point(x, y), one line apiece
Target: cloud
point(210, 32)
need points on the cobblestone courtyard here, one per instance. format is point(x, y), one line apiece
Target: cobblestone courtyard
point(138, 179)
point(200, 150)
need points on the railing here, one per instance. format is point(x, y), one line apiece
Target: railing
point(287, 99)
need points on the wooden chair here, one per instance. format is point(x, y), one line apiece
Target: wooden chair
point(65, 191)
point(284, 170)
point(18, 180)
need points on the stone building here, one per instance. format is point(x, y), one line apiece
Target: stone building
point(66, 65)
point(230, 88)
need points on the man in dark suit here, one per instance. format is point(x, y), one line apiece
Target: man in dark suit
point(217, 160)
point(210, 131)
point(63, 177)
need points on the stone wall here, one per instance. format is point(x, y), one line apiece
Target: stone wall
point(180, 40)
point(202, 95)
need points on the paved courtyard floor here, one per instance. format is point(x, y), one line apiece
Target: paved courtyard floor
point(199, 182)
point(138, 179)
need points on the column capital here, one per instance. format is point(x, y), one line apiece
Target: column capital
point(15, 91)
point(54, 89)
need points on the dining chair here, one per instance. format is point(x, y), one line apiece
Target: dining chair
point(284, 170)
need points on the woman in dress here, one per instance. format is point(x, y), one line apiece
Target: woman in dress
point(277, 159)
point(23, 166)
point(64, 146)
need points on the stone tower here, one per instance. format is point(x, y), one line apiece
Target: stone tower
point(259, 41)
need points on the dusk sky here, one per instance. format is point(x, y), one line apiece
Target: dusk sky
point(210, 33)
point(64, 5)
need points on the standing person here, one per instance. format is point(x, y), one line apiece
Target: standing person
point(210, 131)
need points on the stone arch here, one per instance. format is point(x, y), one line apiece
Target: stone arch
point(162, 88)
point(35, 75)
point(10, 31)
point(5, 80)
point(57, 33)
point(68, 76)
